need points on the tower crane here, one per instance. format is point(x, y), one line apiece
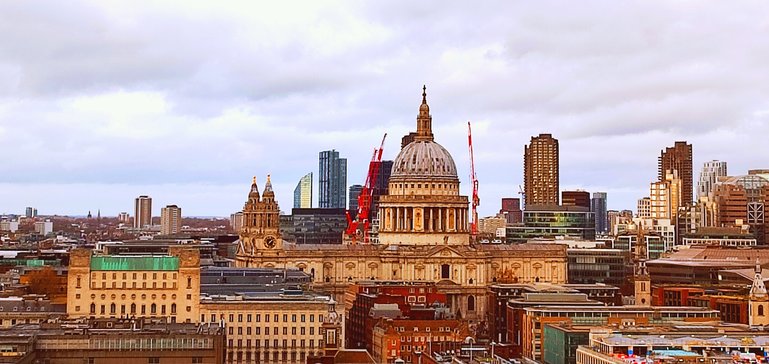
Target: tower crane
point(360, 225)
point(474, 179)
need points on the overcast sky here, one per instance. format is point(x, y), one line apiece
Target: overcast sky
point(185, 101)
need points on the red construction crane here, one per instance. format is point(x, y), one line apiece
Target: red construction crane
point(476, 200)
point(364, 199)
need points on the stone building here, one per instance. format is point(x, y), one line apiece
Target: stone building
point(152, 286)
point(269, 327)
point(423, 235)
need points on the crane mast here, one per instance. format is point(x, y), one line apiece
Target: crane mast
point(361, 224)
point(474, 179)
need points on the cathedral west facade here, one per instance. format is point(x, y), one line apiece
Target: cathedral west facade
point(423, 236)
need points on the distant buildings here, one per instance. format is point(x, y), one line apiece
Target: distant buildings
point(553, 221)
point(355, 191)
point(303, 192)
point(644, 209)
point(332, 180)
point(170, 220)
point(599, 208)
point(511, 210)
point(709, 175)
point(236, 221)
point(575, 198)
point(44, 227)
point(380, 187)
point(678, 158)
point(124, 218)
point(142, 212)
point(30, 212)
point(314, 226)
point(540, 170)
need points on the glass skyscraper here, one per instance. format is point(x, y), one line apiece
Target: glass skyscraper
point(303, 192)
point(332, 180)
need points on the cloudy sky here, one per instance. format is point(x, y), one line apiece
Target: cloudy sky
point(102, 101)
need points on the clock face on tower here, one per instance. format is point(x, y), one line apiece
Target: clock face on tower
point(269, 242)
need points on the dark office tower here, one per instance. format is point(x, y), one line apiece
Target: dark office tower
point(332, 180)
point(598, 207)
point(355, 191)
point(380, 187)
point(575, 198)
point(511, 209)
point(540, 171)
point(679, 158)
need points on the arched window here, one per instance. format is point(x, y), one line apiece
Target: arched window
point(189, 282)
point(133, 309)
point(471, 303)
point(93, 308)
point(112, 308)
point(153, 309)
point(760, 310)
point(173, 309)
point(78, 282)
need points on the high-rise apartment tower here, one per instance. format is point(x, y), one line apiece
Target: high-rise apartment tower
point(540, 170)
point(170, 220)
point(678, 158)
point(142, 212)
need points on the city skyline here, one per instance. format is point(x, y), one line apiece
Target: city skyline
point(189, 118)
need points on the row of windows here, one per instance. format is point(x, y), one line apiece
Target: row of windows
point(133, 296)
point(275, 331)
point(427, 185)
point(123, 284)
point(258, 317)
point(153, 309)
point(258, 343)
point(133, 276)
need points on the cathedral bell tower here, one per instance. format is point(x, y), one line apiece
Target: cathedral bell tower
point(260, 233)
point(758, 303)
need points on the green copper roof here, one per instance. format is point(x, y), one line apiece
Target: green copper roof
point(134, 263)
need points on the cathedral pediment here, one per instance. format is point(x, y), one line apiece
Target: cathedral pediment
point(445, 252)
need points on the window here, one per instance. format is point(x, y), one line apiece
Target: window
point(78, 283)
point(285, 331)
point(248, 317)
point(153, 360)
point(445, 271)
point(189, 282)
point(471, 303)
point(285, 318)
point(173, 312)
point(101, 310)
point(153, 309)
point(303, 317)
point(760, 310)
point(258, 317)
point(93, 309)
point(197, 360)
point(240, 317)
point(133, 309)
point(112, 309)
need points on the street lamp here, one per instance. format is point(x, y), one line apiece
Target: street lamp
point(470, 340)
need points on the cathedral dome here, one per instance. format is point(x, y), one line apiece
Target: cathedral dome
point(424, 158)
